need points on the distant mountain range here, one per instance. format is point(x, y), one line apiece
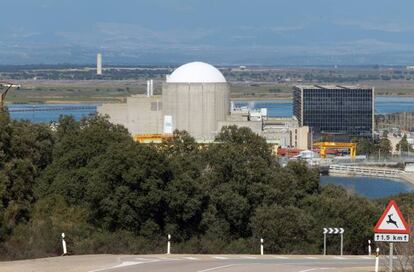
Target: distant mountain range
point(313, 44)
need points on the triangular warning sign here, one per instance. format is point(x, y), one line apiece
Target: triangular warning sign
point(392, 220)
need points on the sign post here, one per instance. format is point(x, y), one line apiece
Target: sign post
point(333, 231)
point(377, 260)
point(391, 256)
point(261, 247)
point(369, 247)
point(65, 252)
point(169, 244)
point(392, 228)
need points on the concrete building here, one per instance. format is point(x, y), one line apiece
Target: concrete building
point(196, 98)
point(140, 114)
point(336, 110)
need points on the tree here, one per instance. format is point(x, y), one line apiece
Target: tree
point(77, 143)
point(403, 145)
point(91, 180)
point(384, 146)
point(307, 179)
point(25, 150)
point(40, 236)
point(126, 188)
point(5, 137)
point(185, 192)
point(285, 229)
point(335, 207)
point(366, 147)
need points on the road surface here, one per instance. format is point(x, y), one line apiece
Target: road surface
point(193, 263)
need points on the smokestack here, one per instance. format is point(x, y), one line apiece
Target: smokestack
point(152, 87)
point(99, 64)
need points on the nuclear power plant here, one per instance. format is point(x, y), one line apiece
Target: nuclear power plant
point(196, 98)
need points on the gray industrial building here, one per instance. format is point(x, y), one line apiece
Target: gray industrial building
point(333, 109)
point(196, 98)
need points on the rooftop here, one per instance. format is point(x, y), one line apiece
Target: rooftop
point(196, 72)
point(331, 87)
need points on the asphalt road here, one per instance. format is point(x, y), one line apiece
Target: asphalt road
point(194, 263)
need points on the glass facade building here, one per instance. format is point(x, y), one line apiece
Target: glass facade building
point(339, 110)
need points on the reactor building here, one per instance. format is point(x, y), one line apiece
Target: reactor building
point(195, 97)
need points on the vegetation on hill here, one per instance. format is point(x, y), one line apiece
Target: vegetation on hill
point(109, 194)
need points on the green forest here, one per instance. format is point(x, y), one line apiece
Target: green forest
point(109, 194)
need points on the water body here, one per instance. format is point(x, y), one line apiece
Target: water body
point(46, 113)
point(391, 104)
point(370, 187)
point(283, 108)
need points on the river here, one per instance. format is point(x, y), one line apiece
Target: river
point(46, 113)
point(370, 187)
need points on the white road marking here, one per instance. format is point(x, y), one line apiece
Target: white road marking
point(339, 258)
point(191, 258)
point(311, 258)
point(217, 267)
point(280, 257)
point(220, 257)
point(127, 263)
point(145, 260)
point(123, 264)
point(169, 259)
point(312, 269)
point(248, 257)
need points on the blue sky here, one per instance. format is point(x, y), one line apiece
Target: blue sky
point(219, 31)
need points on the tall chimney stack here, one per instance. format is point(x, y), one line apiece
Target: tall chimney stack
point(99, 64)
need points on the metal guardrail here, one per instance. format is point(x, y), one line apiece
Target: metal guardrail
point(371, 172)
point(365, 171)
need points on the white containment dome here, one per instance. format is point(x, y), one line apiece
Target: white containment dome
point(197, 97)
point(196, 72)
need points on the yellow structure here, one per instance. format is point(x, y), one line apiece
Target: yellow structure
point(150, 138)
point(323, 146)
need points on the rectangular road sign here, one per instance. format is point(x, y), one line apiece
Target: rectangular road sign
point(391, 237)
